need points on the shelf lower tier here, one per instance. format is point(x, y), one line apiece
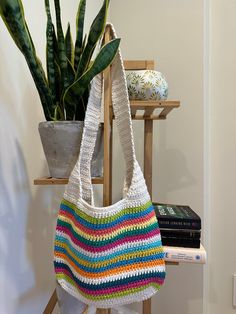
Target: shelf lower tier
point(57, 181)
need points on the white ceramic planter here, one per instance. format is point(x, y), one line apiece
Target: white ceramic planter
point(146, 85)
point(61, 144)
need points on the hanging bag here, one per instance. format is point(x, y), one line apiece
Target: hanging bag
point(112, 255)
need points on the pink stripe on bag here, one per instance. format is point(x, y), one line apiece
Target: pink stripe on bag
point(109, 246)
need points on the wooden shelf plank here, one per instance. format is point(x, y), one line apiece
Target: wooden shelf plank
point(152, 117)
point(57, 181)
point(143, 104)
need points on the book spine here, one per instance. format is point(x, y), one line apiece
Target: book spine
point(181, 233)
point(179, 224)
point(181, 242)
point(188, 256)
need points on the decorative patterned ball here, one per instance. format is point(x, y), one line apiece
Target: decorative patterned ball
point(146, 85)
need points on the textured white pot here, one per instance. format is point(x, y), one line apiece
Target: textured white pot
point(61, 144)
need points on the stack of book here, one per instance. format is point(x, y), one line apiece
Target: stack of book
point(179, 225)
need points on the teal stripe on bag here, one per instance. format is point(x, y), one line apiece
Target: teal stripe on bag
point(98, 259)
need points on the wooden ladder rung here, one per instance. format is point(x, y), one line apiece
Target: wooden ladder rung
point(139, 64)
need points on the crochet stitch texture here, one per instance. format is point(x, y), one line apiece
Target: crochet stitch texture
point(112, 255)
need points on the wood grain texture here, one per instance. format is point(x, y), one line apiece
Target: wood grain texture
point(143, 104)
point(148, 143)
point(107, 161)
point(147, 306)
point(139, 64)
point(103, 311)
point(148, 148)
point(57, 181)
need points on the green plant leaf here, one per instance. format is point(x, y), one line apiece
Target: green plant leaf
point(12, 14)
point(82, 105)
point(71, 72)
point(95, 33)
point(76, 90)
point(51, 71)
point(79, 32)
point(31, 40)
point(58, 85)
point(84, 44)
point(61, 46)
point(59, 88)
point(69, 45)
point(55, 47)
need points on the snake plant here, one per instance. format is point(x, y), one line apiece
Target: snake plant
point(64, 88)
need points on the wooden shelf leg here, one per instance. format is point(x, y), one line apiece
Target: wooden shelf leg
point(103, 311)
point(107, 162)
point(148, 142)
point(147, 306)
point(51, 303)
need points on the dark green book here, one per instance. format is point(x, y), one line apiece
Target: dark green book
point(181, 233)
point(181, 242)
point(176, 216)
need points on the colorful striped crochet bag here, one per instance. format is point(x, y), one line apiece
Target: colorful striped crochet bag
point(107, 256)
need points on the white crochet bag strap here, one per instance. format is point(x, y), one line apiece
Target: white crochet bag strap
point(121, 107)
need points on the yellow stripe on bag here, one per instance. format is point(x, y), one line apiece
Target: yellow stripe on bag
point(108, 235)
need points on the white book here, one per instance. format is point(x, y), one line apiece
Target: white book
point(186, 255)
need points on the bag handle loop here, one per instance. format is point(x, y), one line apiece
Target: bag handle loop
point(121, 108)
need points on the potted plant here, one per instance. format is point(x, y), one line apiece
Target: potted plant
point(64, 87)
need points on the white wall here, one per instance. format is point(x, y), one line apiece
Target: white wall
point(222, 251)
point(171, 33)
point(27, 213)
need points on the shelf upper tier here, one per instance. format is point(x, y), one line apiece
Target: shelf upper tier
point(152, 110)
point(140, 110)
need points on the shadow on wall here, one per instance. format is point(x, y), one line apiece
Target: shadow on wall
point(179, 175)
point(27, 213)
point(169, 164)
point(13, 210)
point(39, 237)
point(26, 230)
point(170, 168)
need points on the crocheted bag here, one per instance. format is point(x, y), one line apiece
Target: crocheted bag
point(112, 255)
